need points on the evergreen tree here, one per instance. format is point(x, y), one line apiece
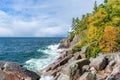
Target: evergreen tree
point(95, 6)
point(73, 24)
point(105, 1)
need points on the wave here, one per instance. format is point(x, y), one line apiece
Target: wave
point(38, 65)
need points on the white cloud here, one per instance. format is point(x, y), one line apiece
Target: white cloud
point(38, 26)
point(42, 18)
point(5, 32)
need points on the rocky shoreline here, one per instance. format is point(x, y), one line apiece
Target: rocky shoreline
point(15, 71)
point(75, 66)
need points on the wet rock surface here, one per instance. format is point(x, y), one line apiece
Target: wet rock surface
point(15, 71)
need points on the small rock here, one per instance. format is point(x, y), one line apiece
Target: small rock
point(93, 70)
point(85, 68)
point(83, 49)
point(83, 55)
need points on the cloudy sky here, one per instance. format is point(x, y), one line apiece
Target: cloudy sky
point(40, 18)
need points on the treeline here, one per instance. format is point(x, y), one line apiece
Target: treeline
point(99, 29)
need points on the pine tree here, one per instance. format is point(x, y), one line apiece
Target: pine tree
point(95, 6)
point(105, 1)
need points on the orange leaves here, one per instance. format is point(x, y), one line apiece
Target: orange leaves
point(108, 41)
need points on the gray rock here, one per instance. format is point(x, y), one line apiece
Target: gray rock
point(113, 56)
point(114, 72)
point(73, 69)
point(84, 48)
point(85, 68)
point(76, 56)
point(101, 77)
point(53, 68)
point(76, 39)
point(65, 43)
point(109, 66)
point(111, 78)
point(99, 62)
point(13, 66)
point(93, 70)
point(88, 76)
point(63, 77)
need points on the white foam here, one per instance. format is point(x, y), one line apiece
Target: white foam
point(39, 64)
point(46, 78)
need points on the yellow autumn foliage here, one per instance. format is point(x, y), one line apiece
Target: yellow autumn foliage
point(108, 41)
point(99, 18)
point(94, 33)
point(99, 30)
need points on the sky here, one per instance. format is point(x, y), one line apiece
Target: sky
point(41, 18)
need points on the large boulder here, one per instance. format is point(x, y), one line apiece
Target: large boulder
point(55, 67)
point(76, 56)
point(76, 39)
point(14, 69)
point(99, 62)
point(73, 69)
point(65, 43)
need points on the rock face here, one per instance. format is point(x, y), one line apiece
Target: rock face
point(99, 62)
point(72, 70)
point(109, 66)
point(115, 73)
point(88, 76)
point(15, 71)
point(76, 39)
point(65, 43)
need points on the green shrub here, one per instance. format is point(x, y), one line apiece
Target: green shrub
point(92, 51)
point(77, 48)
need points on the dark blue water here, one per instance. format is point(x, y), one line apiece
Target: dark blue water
point(23, 49)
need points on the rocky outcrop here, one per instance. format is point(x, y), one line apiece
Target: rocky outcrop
point(72, 65)
point(99, 63)
point(103, 67)
point(76, 39)
point(72, 71)
point(65, 43)
point(15, 71)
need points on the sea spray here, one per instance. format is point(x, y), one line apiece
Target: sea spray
point(38, 65)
